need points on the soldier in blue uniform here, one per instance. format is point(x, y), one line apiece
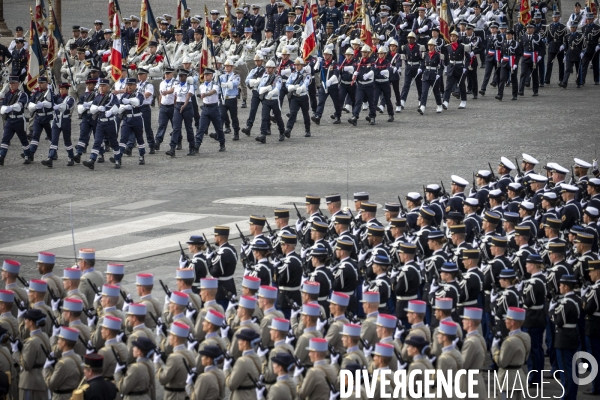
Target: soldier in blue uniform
point(280, 20)
point(329, 88)
point(12, 109)
point(19, 60)
point(364, 76)
point(432, 70)
point(591, 34)
point(209, 93)
point(493, 48)
point(456, 59)
point(88, 123)
point(229, 83)
point(531, 43)
point(268, 91)
point(252, 81)
point(555, 35)
point(573, 43)
point(222, 265)
point(104, 108)
point(183, 113)
point(331, 14)
point(412, 56)
point(132, 123)
point(511, 53)
point(40, 105)
point(297, 88)
point(63, 106)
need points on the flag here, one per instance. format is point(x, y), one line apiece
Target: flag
point(147, 26)
point(525, 12)
point(446, 20)
point(113, 8)
point(235, 4)
point(591, 5)
point(36, 60)
point(226, 25)
point(181, 7)
point(357, 10)
point(288, 3)
point(53, 37)
point(116, 56)
point(309, 44)
point(39, 16)
point(205, 57)
point(366, 29)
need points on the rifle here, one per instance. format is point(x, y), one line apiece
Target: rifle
point(332, 388)
point(117, 357)
point(52, 295)
point(185, 257)
point(47, 353)
point(208, 245)
point(269, 228)
point(300, 217)
point(492, 171)
point(443, 193)
point(403, 211)
point(87, 345)
point(19, 306)
point(256, 383)
point(158, 323)
point(124, 296)
point(245, 241)
point(54, 321)
point(165, 288)
point(571, 182)
point(94, 287)
point(425, 196)
point(474, 182)
point(519, 173)
point(23, 282)
point(354, 220)
point(89, 313)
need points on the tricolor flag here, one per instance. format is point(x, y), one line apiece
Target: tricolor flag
point(366, 28)
point(39, 16)
point(591, 4)
point(525, 12)
point(446, 20)
point(113, 8)
point(147, 26)
point(116, 55)
point(36, 59)
point(309, 45)
point(205, 57)
point(181, 7)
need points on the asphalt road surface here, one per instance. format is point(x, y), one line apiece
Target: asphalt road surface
point(139, 213)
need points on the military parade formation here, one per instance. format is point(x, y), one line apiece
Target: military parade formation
point(256, 57)
point(507, 271)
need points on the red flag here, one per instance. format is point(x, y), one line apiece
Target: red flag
point(357, 10)
point(366, 29)
point(116, 56)
point(144, 34)
point(445, 20)
point(52, 41)
point(205, 56)
point(525, 12)
point(39, 17)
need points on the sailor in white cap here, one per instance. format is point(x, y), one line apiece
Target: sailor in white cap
point(528, 163)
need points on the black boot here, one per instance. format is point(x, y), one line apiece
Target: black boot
point(287, 133)
point(152, 151)
point(47, 163)
point(316, 120)
point(222, 148)
point(157, 146)
point(244, 105)
point(77, 158)
point(353, 120)
point(117, 164)
point(246, 130)
point(236, 136)
point(372, 121)
point(100, 158)
point(1, 160)
point(28, 160)
point(70, 162)
point(192, 151)
point(141, 161)
point(307, 134)
point(127, 151)
point(337, 121)
point(171, 152)
point(227, 129)
point(262, 139)
point(89, 164)
point(281, 138)
point(391, 118)
point(368, 118)
point(179, 146)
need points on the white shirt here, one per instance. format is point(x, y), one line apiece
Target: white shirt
point(146, 87)
point(168, 99)
point(182, 89)
point(207, 87)
point(120, 85)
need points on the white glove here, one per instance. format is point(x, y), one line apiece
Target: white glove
point(295, 313)
point(455, 341)
point(303, 252)
point(49, 363)
point(120, 367)
point(595, 164)
point(464, 70)
point(346, 42)
point(14, 346)
point(292, 88)
point(125, 100)
point(514, 67)
point(224, 331)
point(381, 37)
point(157, 359)
point(472, 54)
point(55, 330)
point(597, 48)
point(342, 37)
point(419, 71)
point(298, 372)
point(446, 69)
point(562, 47)
point(385, 73)
point(398, 334)
point(395, 70)
point(232, 305)
point(433, 288)
point(334, 358)
point(581, 55)
point(8, 109)
point(349, 69)
point(262, 353)
point(493, 296)
point(401, 366)
point(97, 297)
point(108, 114)
point(404, 25)
point(585, 290)
point(120, 336)
point(190, 313)
point(423, 29)
point(87, 105)
point(368, 351)
point(39, 105)
point(300, 89)
point(182, 262)
point(192, 345)
point(286, 72)
point(101, 108)
point(496, 342)
point(227, 364)
point(248, 46)
point(56, 107)
point(519, 286)
point(126, 308)
point(23, 71)
point(539, 58)
point(158, 331)
point(544, 9)
point(55, 304)
point(190, 377)
point(299, 225)
point(289, 339)
point(437, 77)
point(321, 324)
point(552, 305)
point(260, 393)
point(368, 75)
point(88, 351)
point(273, 93)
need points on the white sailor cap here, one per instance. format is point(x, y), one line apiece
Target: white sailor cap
point(413, 196)
point(568, 188)
point(483, 173)
point(592, 211)
point(538, 178)
point(560, 169)
point(457, 180)
point(530, 160)
point(472, 201)
point(527, 205)
point(507, 163)
point(582, 164)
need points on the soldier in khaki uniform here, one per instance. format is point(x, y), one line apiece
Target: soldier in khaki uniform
point(247, 365)
point(208, 293)
point(185, 280)
point(110, 295)
point(7, 320)
point(511, 353)
point(136, 314)
point(279, 330)
point(71, 317)
point(443, 312)
point(136, 381)
point(37, 293)
point(267, 296)
point(144, 284)
point(10, 272)
point(86, 263)
point(172, 374)
point(310, 314)
point(382, 360)
point(415, 313)
point(315, 385)
point(368, 332)
point(250, 286)
point(417, 348)
point(338, 304)
point(71, 281)
point(111, 326)
point(114, 276)
point(45, 264)
point(353, 355)
point(310, 294)
point(473, 349)
point(31, 358)
point(284, 388)
point(244, 314)
point(209, 385)
point(176, 313)
point(63, 376)
point(7, 365)
point(386, 325)
point(450, 360)
point(212, 325)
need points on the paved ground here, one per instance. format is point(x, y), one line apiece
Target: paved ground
point(138, 214)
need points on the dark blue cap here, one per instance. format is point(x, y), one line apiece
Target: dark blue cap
point(103, 81)
point(435, 235)
point(248, 335)
point(196, 239)
point(132, 80)
point(449, 267)
point(381, 259)
point(507, 274)
point(534, 259)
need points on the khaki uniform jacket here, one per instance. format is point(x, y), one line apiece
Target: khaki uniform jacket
point(234, 322)
point(267, 365)
point(421, 330)
point(450, 360)
point(237, 380)
point(20, 295)
point(397, 349)
point(80, 349)
point(173, 374)
point(265, 326)
point(216, 340)
point(110, 362)
point(314, 386)
point(389, 390)
point(31, 359)
point(297, 324)
point(302, 344)
point(96, 336)
point(420, 364)
point(511, 357)
point(65, 376)
point(10, 323)
point(47, 329)
point(436, 348)
point(138, 332)
point(55, 284)
point(283, 389)
point(209, 385)
point(138, 383)
point(84, 287)
point(152, 306)
point(165, 347)
point(334, 337)
point(473, 352)
point(354, 357)
point(199, 334)
point(234, 350)
point(7, 365)
point(75, 294)
point(368, 331)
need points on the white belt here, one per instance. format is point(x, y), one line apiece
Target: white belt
point(44, 114)
point(133, 115)
point(487, 291)
point(431, 68)
point(347, 83)
point(596, 314)
point(413, 63)
point(15, 116)
point(569, 326)
point(382, 80)
point(467, 303)
point(230, 97)
point(400, 298)
point(366, 82)
point(107, 119)
point(290, 289)
point(324, 298)
point(456, 62)
point(225, 278)
point(540, 307)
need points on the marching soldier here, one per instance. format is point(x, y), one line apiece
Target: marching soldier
point(455, 70)
point(7, 320)
point(473, 44)
point(62, 376)
point(222, 264)
point(382, 69)
point(555, 35)
point(209, 385)
point(136, 314)
point(10, 272)
point(368, 330)
point(171, 373)
point(198, 262)
point(310, 314)
point(252, 81)
point(269, 92)
point(573, 43)
point(297, 89)
point(493, 48)
point(241, 377)
point(321, 274)
point(443, 309)
point(314, 384)
point(591, 33)
point(96, 387)
point(278, 331)
point(13, 105)
point(136, 381)
point(411, 54)
point(113, 344)
point(91, 279)
point(284, 388)
point(473, 348)
point(534, 302)
point(244, 314)
point(288, 274)
point(531, 43)
point(229, 83)
point(352, 354)
point(213, 334)
point(330, 88)
point(511, 52)
point(37, 292)
point(267, 296)
point(108, 300)
point(415, 314)
point(432, 72)
point(45, 265)
point(450, 360)
point(364, 79)
point(338, 305)
point(471, 286)
point(71, 317)
point(132, 124)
